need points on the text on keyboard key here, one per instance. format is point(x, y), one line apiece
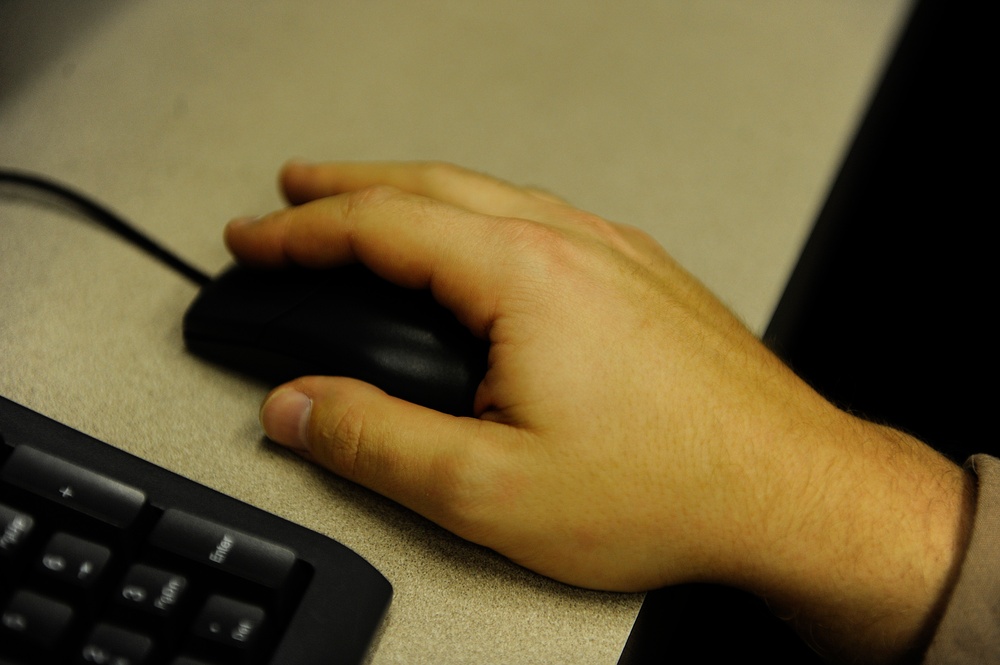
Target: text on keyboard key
point(15, 526)
point(56, 479)
point(34, 619)
point(152, 590)
point(112, 645)
point(221, 547)
point(229, 622)
point(73, 561)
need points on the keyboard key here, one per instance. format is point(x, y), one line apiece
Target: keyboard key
point(221, 547)
point(73, 561)
point(110, 645)
point(57, 480)
point(35, 620)
point(151, 590)
point(229, 622)
point(15, 526)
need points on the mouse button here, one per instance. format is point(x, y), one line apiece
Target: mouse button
point(306, 326)
point(344, 332)
point(241, 302)
point(351, 303)
point(366, 321)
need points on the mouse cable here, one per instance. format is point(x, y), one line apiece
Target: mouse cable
point(106, 218)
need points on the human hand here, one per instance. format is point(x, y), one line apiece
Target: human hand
point(630, 432)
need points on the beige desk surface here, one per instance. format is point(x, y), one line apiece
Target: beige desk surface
point(715, 125)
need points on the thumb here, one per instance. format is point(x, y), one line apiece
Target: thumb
point(416, 456)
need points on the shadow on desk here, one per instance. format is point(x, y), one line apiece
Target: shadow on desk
point(886, 311)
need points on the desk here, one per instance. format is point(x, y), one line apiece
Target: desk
point(715, 126)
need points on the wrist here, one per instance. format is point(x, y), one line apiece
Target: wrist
point(870, 533)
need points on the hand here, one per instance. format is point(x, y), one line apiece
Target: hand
point(630, 432)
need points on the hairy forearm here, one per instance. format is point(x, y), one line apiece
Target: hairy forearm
point(864, 566)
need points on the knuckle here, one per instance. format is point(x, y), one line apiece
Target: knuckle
point(360, 206)
point(639, 240)
point(605, 231)
point(463, 487)
point(545, 195)
point(343, 435)
point(451, 475)
point(372, 195)
point(435, 171)
point(462, 481)
point(437, 178)
point(528, 236)
point(642, 237)
point(542, 248)
point(470, 483)
point(623, 238)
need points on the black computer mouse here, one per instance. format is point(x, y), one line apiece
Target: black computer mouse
point(346, 321)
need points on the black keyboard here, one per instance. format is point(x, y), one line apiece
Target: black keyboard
point(107, 559)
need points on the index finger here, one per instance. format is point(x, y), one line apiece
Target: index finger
point(303, 182)
point(407, 239)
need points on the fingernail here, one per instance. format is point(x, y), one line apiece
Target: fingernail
point(285, 418)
